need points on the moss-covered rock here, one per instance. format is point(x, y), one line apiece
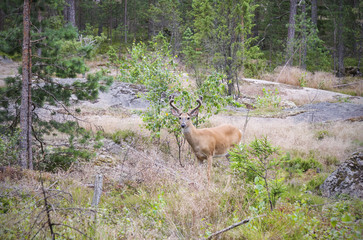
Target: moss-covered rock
point(347, 179)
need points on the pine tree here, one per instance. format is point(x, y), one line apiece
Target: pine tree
point(223, 29)
point(63, 55)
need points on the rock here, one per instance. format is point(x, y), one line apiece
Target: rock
point(347, 179)
point(284, 104)
point(5, 59)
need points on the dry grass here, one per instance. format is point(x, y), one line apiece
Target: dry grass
point(343, 138)
point(148, 195)
point(299, 77)
point(319, 80)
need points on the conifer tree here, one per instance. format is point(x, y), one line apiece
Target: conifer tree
point(223, 29)
point(63, 55)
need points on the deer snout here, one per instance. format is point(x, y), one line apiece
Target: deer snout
point(183, 125)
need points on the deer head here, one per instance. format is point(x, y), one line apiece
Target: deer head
point(185, 118)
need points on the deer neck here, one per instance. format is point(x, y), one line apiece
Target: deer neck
point(190, 133)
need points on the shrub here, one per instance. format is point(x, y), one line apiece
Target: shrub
point(268, 100)
point(123, 135)
point(300, 164)
point(315, 183)
point(260, 163)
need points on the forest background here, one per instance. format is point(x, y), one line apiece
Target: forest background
point(217, 43)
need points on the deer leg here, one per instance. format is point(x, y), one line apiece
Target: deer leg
point(209, 159)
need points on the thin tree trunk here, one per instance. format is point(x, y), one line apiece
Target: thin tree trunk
point(304, 41)
point(291, 32)
point(70, 12)
point(2, 18)
point(111, 24)
point(125, 21)
point(340, 72)
point(40, 29)
point(256, 21)
point(314, 12)
point(25, 108)
point(358, 42)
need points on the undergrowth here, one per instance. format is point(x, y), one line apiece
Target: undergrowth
point(173, 208)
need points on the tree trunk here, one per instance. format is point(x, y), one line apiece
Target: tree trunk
point(125, 21)
point(304, 41)
point(25, 108)
point(2, 18)
point(314, 13)
point(340, 50)
point(291, 33)
point(358, 42)
point(40, 29)
point(255, 22)
point(70, 12)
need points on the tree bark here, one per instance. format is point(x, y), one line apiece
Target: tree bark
point(340, 50)
point(2, 18)
point(291, 32)
point(304, 40)
point(125, 21)
point(40, 29)
point(314, 12)
point(70, 12)
point(25, 108)
point(256, 20)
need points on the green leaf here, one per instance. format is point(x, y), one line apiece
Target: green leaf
point(347, 218)
point(333, 221)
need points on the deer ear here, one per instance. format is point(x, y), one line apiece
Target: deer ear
point(175, 112)
point(194, 113)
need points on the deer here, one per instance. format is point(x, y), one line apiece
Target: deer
point(206, 143)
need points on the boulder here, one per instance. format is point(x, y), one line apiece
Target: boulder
point(347, 179)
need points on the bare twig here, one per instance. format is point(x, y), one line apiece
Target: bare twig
point(63, 106)
point(233, 226)
point(46, 205)
point(65, 225)
point(245, 125)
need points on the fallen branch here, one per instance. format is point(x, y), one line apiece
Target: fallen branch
point(347, 84)
point(233, 226)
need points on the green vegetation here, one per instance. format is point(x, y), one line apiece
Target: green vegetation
point(269, 99)
point(156, 44)
point(260, 163)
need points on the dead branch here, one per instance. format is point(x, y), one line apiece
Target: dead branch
point(46, 205)
point(73, 228)
point(233, 226)
point(347, 84)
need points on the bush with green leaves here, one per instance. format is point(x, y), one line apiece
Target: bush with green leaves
point(259, 163)
point(269, 99)
point(301, 164)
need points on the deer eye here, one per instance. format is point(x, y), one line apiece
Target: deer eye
point(188, 118)
point(179, 118)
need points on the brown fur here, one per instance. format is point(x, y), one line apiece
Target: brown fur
point(207, 142)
